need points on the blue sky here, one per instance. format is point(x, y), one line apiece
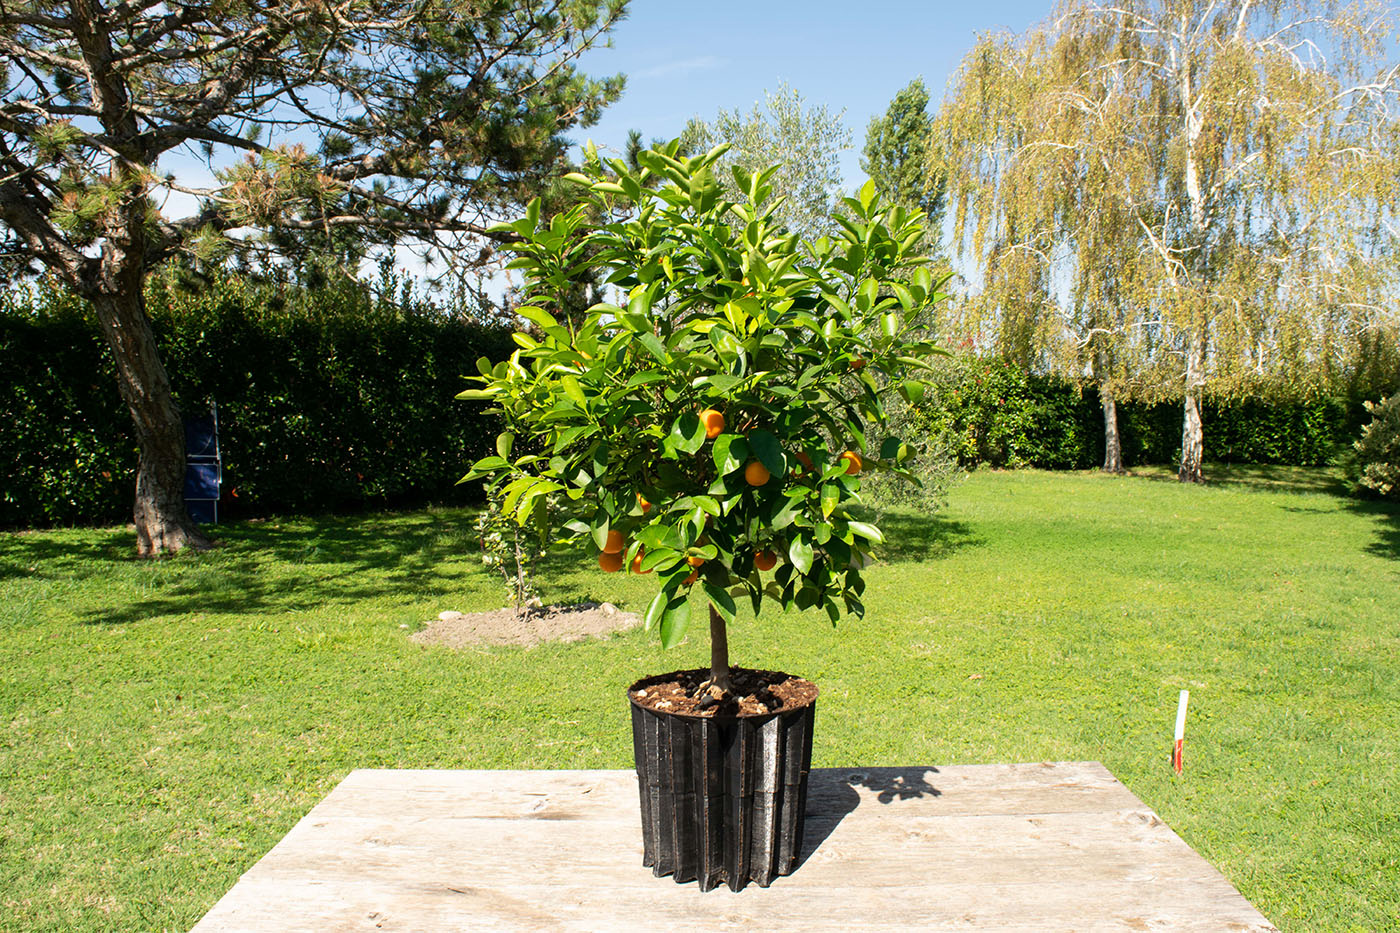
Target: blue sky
point(684, 60)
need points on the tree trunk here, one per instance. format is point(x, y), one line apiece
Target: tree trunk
point(1112, 443)
point(719, 653)
point(1192, 436)
point(162, 523)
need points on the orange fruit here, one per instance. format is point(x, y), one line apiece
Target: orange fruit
point(853, 464)
point(713, 421)
point(615, 542)
point(857, 364)
point(756, 473)
point(611, 563)
point(641, 501)
point(806, 462)
point(765, 560)
point(695, 561)
point(694, 575)
point(637, 564)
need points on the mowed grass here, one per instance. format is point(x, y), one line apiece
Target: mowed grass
point(162, 725)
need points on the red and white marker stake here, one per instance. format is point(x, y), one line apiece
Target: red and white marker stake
point(1179, 747)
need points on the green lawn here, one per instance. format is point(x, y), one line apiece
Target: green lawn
point(165, 724)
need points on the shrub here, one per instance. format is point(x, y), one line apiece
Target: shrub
point(1373, 466)
point(328, 399)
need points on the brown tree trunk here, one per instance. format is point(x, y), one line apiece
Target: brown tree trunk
point(1112, 443)
point(1192, 435)
point(162, 523)
point(719, 653)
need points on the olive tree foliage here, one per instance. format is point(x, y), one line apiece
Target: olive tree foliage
point(387, 119)
point(717, 423)
point(806, 142)
point(1163, 195)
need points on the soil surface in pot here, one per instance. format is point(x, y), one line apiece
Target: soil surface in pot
point(756, 693)
point(530, 627)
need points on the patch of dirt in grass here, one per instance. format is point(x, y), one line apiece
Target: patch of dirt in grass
point(530, 626)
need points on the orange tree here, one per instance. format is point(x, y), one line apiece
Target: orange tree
point(712, 426)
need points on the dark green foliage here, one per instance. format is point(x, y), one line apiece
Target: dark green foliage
point(1372, 465)
point(897, 151)
point(992, 411)
point(328, 399)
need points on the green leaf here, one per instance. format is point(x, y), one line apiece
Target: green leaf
point(722, 601)
point(573, 390)
point(866, 530)
point(769, 452)
point(688, 433)
point(475, 395)
point(889, 324)
point(504, 442)
point(655, 347)
point(602, 524)
point(731, 451)
point(674, 620)
point(641, 303)
point(537, 316)
point(831, 497)
point(800, 554)
point(657, 608)
point(889, 448)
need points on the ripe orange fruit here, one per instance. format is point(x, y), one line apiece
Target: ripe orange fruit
point(695, 561)
point(756, 473)
point(857, 364)
point(853, 464)
point(615, 542)
point(641, 501)
point(694, 575)
point(611, 563)
point(637, 564)
point(806, 462)
point(713, 422)
point(765, 560)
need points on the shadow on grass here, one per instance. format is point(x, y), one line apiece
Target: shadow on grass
point(1260, 477)
point(22, 550)
point(262, 567)
point(1387, 518)
point(913, 537)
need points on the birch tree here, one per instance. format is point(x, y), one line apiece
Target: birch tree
point(1182, 193)
point(422, 119)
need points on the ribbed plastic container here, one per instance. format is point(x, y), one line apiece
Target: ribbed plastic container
point(723, 798)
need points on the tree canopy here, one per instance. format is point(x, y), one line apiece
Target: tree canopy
point(806, 142)
point(391, 118)
point(1174, 194)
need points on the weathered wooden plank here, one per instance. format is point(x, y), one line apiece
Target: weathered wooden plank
point(1036, 847)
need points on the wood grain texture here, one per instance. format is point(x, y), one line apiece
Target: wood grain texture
point(1043, 847)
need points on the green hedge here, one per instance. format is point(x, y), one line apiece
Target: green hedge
point(994, 412)
point(327, 400)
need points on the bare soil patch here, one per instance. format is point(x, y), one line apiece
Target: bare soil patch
point(530, 626)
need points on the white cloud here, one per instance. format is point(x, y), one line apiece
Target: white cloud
point(682, 67)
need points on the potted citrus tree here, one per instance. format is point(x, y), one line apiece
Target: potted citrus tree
point(711, 427)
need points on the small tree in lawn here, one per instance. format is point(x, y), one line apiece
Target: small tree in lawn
point(713, 426)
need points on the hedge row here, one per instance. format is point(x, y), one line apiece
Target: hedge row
point(994, 412)
point(327, 400)
point(331, 399)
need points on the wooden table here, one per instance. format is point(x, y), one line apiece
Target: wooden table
point(1055, 846)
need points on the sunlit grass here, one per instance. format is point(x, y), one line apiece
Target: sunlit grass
point(165, 724)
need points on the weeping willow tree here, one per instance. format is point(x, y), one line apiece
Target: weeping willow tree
point(1161, 196)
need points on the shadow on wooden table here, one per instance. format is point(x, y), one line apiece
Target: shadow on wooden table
point(832, 795)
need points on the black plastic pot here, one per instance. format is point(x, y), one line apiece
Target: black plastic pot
point(723, 798)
